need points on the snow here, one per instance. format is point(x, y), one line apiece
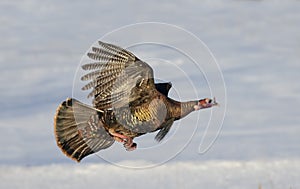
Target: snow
point(191, 174)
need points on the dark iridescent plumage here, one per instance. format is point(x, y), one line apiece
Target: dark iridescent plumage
point(126, 104)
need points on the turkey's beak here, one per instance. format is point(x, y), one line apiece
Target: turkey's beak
point(214, 103)
point(207, 103)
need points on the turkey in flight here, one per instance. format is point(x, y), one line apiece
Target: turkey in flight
point(127, 103)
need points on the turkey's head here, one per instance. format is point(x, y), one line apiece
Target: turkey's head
point(206, 103)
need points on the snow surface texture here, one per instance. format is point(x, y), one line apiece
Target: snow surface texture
point(281, 174)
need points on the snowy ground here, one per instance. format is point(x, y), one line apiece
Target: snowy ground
point(281, 174)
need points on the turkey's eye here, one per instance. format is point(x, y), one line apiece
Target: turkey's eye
point(209, 101)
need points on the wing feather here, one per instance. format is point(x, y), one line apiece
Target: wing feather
point(100, 65)
point(117, 75)
point(117, 50)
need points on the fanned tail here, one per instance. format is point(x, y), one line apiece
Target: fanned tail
point(78, 130)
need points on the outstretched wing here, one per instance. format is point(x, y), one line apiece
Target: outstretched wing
point(117, 77)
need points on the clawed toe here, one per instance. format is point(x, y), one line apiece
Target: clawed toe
point(130, 145)
point(127, 141)
point(130, 148)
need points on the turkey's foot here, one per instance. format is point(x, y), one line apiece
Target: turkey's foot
point(128, 141)
point(129, 144)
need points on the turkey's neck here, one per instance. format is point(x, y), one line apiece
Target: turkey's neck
point(181, 109)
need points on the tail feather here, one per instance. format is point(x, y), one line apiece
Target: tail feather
point(78, 130)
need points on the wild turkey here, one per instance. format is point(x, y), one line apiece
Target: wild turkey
point(126, 104)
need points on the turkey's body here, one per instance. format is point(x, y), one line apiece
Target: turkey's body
point(126, 104)
point(133, 121)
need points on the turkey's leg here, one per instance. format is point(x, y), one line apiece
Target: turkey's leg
point(128, 141)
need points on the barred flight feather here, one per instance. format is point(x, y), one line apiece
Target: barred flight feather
point(101, 80)
point(110, 97)
point(117, 49)
point(109, 54)
point(99, 73)
point(104, 58)
point(103, 88)
point(111, 100)
point(101, 65)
